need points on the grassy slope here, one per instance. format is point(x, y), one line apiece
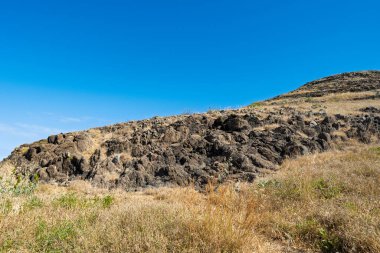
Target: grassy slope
point(324, 202)
point(341, 103)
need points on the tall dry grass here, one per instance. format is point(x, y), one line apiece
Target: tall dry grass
point(327, 202)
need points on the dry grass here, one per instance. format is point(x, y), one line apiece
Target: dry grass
point(328, 202)
point(340, 103)
point(57, 219)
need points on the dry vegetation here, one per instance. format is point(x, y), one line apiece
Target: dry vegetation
point(339, 103)
point(327, 202)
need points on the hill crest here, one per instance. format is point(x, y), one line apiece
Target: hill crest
point(359, 81)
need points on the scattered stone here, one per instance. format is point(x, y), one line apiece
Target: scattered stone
point(313, 123)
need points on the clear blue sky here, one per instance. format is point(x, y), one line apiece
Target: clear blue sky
point(70, 65)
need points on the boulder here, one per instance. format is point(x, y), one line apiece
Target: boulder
point(234, 123)
point(56, 139)
point(325, 136)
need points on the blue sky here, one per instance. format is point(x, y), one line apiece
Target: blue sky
point(70, 65)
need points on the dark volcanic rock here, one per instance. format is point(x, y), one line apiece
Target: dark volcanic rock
point(185, 150)
point(370, 109)
point(234, 145)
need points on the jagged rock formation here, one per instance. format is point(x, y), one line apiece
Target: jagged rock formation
point(200, 148)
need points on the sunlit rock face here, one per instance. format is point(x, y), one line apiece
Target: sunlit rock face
point(197, 149)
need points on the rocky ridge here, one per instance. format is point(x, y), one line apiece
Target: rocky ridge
point(341, 83)
point(220, 146)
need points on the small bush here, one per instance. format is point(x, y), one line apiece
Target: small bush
point(288, 190)
point(24, 150)
point(6, 206)
point(329, 242)
point(313, 231)
point(309, 100)
point(77, 201)
point(68, 201)
point(33, 203)
point(7, 245)
point(18, 184)
point(57, 238)
point(268, 183)
point(107, 201)
point(326, 189)
point(256, 104)
point(375, 150)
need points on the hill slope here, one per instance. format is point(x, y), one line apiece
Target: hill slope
point(213, 147)
point(341, 83)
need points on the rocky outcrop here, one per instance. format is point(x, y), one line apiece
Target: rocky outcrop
point(194, 149)
point(215, 147)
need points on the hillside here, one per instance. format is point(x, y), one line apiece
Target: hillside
point(214, 147)
point(341, 83)
point(296, 173)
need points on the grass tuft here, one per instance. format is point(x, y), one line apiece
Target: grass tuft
point(256, 105)
point(107, 201)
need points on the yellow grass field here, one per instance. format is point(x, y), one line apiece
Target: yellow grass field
point(327, 202)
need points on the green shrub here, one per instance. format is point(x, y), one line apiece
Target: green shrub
point(56, 238)
point(312, 230)
point(326, 189)
point(74, 201)
point(329, 242)
point(288, 190)
point(6, 206)
point(308, 100)
point(68, 201)
point(7, 245)
point(19, 184)
point(256, 104)
point(375, 150)
point(33, 203)
point(268, 183)
point(107, 201)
